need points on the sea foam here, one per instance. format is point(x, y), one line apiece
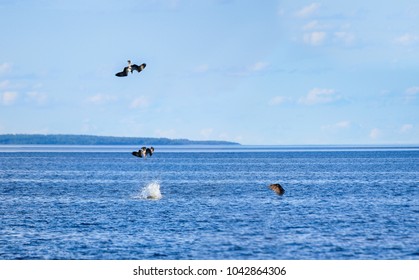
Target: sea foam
point(151, 191)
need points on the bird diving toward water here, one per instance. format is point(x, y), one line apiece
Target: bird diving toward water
point(131, 68)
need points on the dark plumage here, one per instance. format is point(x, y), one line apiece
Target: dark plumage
point(143, 152)
point(123, 73)
point(131, 68)
point(137, 68)
point(149, 151)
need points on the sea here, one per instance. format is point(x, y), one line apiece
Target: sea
point(209, 203)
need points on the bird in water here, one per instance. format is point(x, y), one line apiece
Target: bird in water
point(143, 152)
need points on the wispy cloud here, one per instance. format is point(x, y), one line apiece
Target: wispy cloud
point(375, 133)
point(39, 98)
point(258, 66)
point(308, 10)
point(407, 39)
point(280, 11)
point(319, 96)
point(5, 67)
point(345, 37)
point(139, 102)
point(338, 125)
point(250, 69)
point(313, 25)
point(201, 68)
point(206, 132)
point(317, 33)
point(12, 91)
point(278, 100)
point(4, 84)
point(315, 38)
point(87, 126)
point(406, 128)
point(411, 93)
point(174, 4)
point(8, 98)
point(101, 98)
point(169, 133)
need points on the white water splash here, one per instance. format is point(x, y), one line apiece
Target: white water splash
point(151, 191)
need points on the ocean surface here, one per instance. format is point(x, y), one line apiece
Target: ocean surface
point(198, 202)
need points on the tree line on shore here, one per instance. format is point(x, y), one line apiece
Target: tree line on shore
point(67, 139)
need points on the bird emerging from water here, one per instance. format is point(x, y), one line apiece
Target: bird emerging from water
point(143, 152)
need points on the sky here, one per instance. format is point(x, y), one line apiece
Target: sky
point(254, 72)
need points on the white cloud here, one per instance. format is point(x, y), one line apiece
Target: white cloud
point(88, 127)
point(4, 84)
point(174, 4)
point(407, 39)
point(101, 98)
point(319, 96)
point(338, 125)
point(206, 132)
point(224, 136)
point(412, 90)
point(308, 10)
point(37, 97)
point(238, 139)
point(44, 130)
point(375, 133)
point(313, 25)
point(8, 97)
point(343, 124)
point(201, 68)
point(258, 66)
point(278, 100)
point(406, 128)
point(5, 67)
point(250, 69)
point(411, 93)
point(345, 37)
point(139, 102)
point(169, 133)
point(315, 38)
point(280, 11)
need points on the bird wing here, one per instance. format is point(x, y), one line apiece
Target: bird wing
point(123, 73)
point(138, 68)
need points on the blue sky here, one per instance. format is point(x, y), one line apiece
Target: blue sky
point(256, 72)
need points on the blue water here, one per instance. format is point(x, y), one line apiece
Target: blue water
point(209, 203)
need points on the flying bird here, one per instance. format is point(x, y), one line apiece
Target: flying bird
point(131, 68)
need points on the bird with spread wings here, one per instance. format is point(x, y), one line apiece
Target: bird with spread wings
point(131, 68)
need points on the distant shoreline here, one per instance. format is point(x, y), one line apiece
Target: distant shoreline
point(73, 139)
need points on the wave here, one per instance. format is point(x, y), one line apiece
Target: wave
point(150, 191)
